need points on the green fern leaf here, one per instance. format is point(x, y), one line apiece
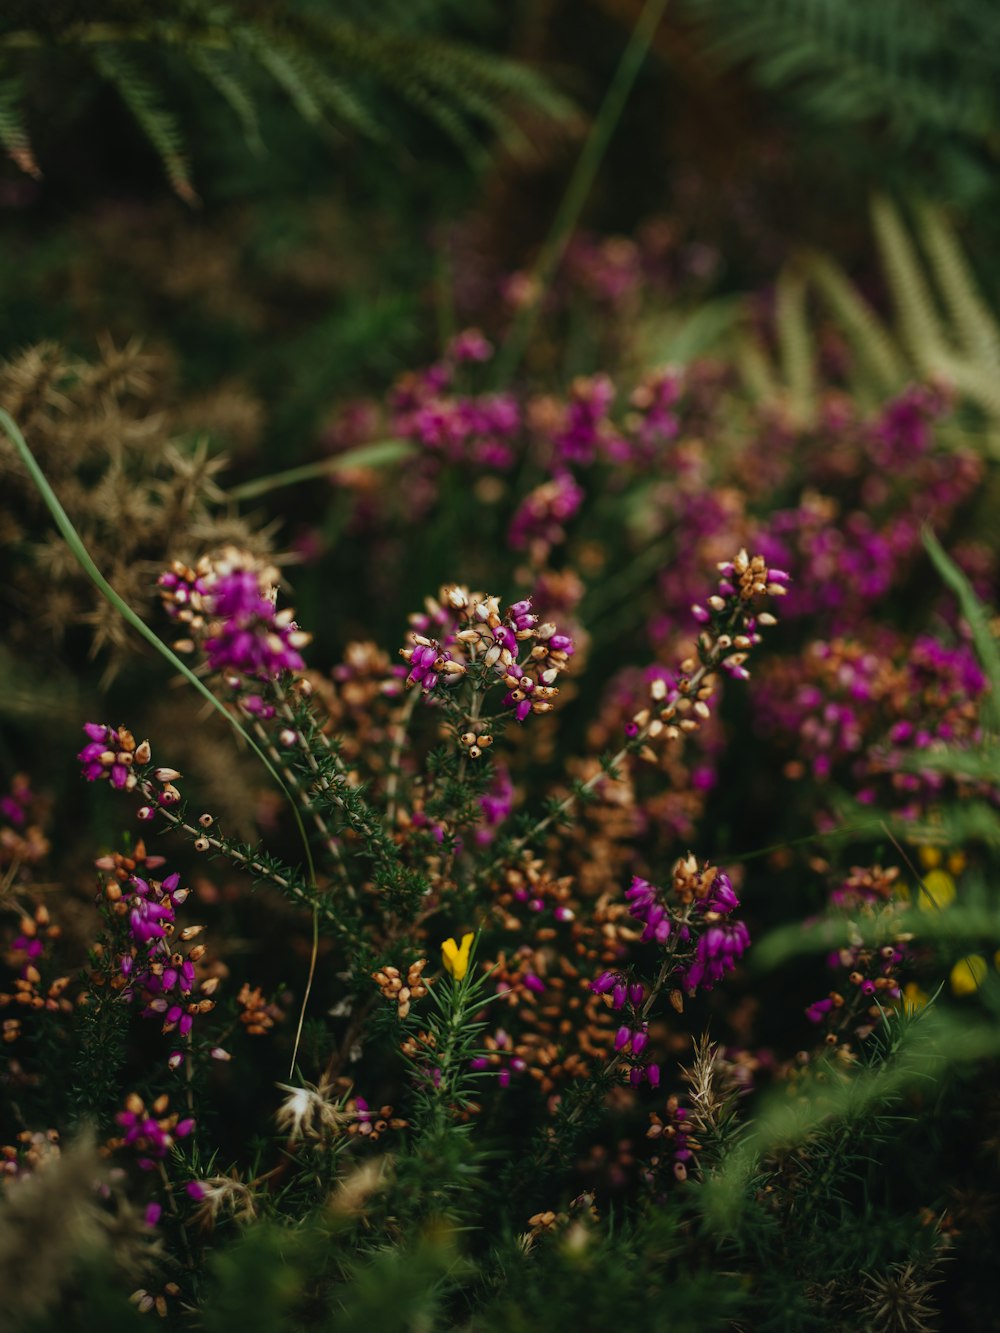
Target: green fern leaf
point(158, 124)
point(796, 346)
point(920, 325)
point(13, 130)
point(978, 331)
point(220, 76)
point(877, 350)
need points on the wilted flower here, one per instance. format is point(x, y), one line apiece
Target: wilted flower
point(310, 1111)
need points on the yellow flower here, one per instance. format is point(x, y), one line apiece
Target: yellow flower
point(930, 857)
point(456, 958)
point(967, 974)
point(937, 889)
point(913, 997)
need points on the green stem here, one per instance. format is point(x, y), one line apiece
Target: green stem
point(100, 34)
point(366, 455)
point(579, 188)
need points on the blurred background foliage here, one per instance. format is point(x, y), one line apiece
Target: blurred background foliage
point(289, 203)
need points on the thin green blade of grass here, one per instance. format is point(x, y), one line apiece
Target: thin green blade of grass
point(975, 614)
point(378, 454)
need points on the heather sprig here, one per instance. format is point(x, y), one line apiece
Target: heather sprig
point(492, 646)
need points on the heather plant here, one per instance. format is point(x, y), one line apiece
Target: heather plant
point(547, 875)
point(424, 1107)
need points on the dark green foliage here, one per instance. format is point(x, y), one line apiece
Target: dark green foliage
point(338, 70)
point(922, 65)
point(917, 77)
point(100, 1034)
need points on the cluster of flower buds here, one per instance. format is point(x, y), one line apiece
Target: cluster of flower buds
point(646, 905)
point(257, 1014)
point(636, 1038)
point(621, 990)
point(529, 886)
point(112, 753)
point(145, 1300)
point(30, 1150)
point(226, 605)
point(151, 1133)
point(22, 842)
point(721, 942)
point(696, 910)
point(368, 1123)
point(472, 629)
point(547, 1222)
point(540, 520)
point(720, 946)
point(29, 992)
point(681, 703)
point(430, 663)
point(729, 613)
point(500, 1057)
point(632, 1036)
point(527, 656)
point(872, 968)
point(474, 744)
point(152, 970)
point(673, 1131)
point(419, 1045)
point(393, 987)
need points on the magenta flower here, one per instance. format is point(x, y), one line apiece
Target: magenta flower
point(716, 953)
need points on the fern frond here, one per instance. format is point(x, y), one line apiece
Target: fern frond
point(866, 331)
point(219, 75)
point(978, 331)
point(13, 130)
point(796, 345)
point(757, 369)
point(159, 125)
point(309, 88)
point(334, 70)
point(943, 327)
point(921, 64)
point(920, 325)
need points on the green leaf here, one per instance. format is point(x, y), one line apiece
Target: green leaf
point(975, 613)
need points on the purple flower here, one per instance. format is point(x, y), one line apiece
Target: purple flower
point(645, 906)
point(111, 754)
point(496, 804)
point(716, 953)
point(540, 520)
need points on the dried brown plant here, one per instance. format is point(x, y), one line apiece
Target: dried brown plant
point(104, 433)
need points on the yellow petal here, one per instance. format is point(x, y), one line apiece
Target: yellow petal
point(913, 997)
point(937, 889)
point(456, 958)
point(449, 953)
point(930, 857)
point(967, 975)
